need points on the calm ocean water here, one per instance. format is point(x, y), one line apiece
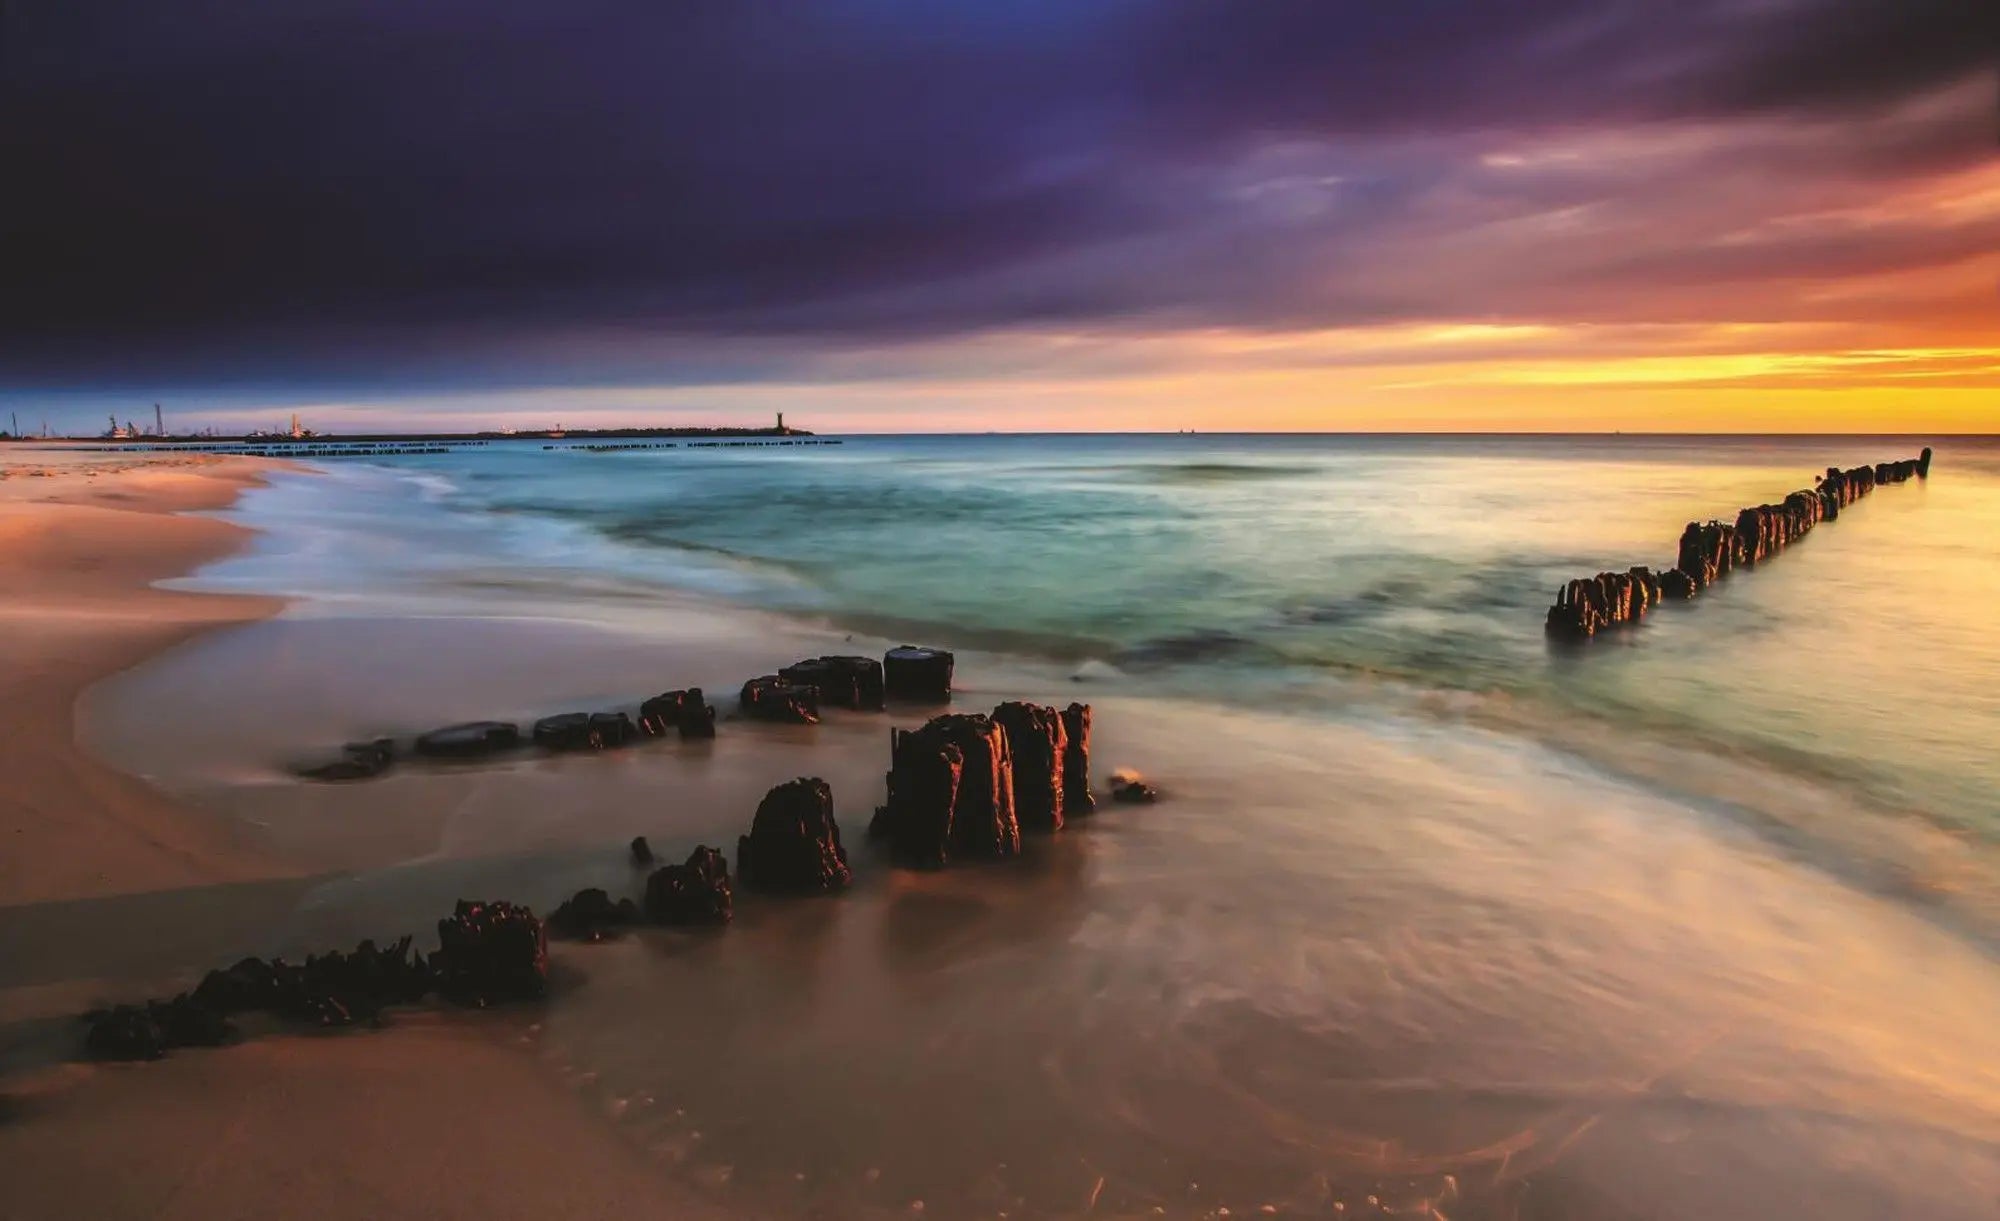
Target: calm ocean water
point(1314, 574)
point(1698, 921)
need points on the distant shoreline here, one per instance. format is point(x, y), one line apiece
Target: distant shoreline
point(180, 441)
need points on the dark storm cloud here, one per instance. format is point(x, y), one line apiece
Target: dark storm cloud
point(366, 184)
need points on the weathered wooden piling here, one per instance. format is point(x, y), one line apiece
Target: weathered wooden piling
point(842, 682)
point(585, 731)
point(1037, 740)
point(1711, 550)
point(794, 842)
point(470, 740)
point(917, 674)
point(1077, 799)
point(951, 792)
point(684, 712)
point(771, 698)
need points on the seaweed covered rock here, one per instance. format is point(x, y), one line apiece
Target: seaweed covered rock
point(771, 698)
point(326, 989)
point(696, 892)
point(684, 712)
point(591, 915)
point(951, 792)
point(491, 952)
point(251, 984)
point(794, 842)
point(917, 674)
point(470, 740)
point(373, 975)
point(357, 761)
point(842, 682)
point(1077, 798)
point(186, 1022)
point(124, 1032)
point(1037, 740)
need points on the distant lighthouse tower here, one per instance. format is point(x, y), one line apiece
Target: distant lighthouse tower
point(781, 421)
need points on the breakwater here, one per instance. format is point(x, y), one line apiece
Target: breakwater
point(1711, 550)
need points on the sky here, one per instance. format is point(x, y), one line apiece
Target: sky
point(1090, 215)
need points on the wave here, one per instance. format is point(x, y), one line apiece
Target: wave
point(1210, 472)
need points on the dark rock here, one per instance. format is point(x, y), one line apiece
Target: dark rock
point(771, 698)
point(1677, 585)
point(1134, 791)
point(794, 843)
point(590, 914)
point(358, 761)
point(842, 682)
point(642, 852)
point(1924, 463)
point(697, 892)
point(917, 674)
point(683, 712)
point(951, 792)
point(471, 740)
point(1077, 797)
point(491, 952)
point(1037, 741)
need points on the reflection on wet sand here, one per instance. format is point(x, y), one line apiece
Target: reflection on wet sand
point(1416, 961)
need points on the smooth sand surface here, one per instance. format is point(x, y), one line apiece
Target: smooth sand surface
point(82, 539)
point(106, 883)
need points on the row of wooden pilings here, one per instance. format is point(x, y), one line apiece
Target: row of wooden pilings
point(1711, 550)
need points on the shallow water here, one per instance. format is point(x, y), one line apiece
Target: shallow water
point(1696, 922)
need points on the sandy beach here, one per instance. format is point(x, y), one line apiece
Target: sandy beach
point(107, 886)
point(84, 537)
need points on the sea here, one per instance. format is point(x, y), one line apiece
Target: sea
point(1438, 916)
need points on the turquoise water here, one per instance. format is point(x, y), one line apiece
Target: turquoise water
point(1315, 574)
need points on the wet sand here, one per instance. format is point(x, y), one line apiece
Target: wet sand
point(82, 539)
point(110, 889)
point(1412, 960)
